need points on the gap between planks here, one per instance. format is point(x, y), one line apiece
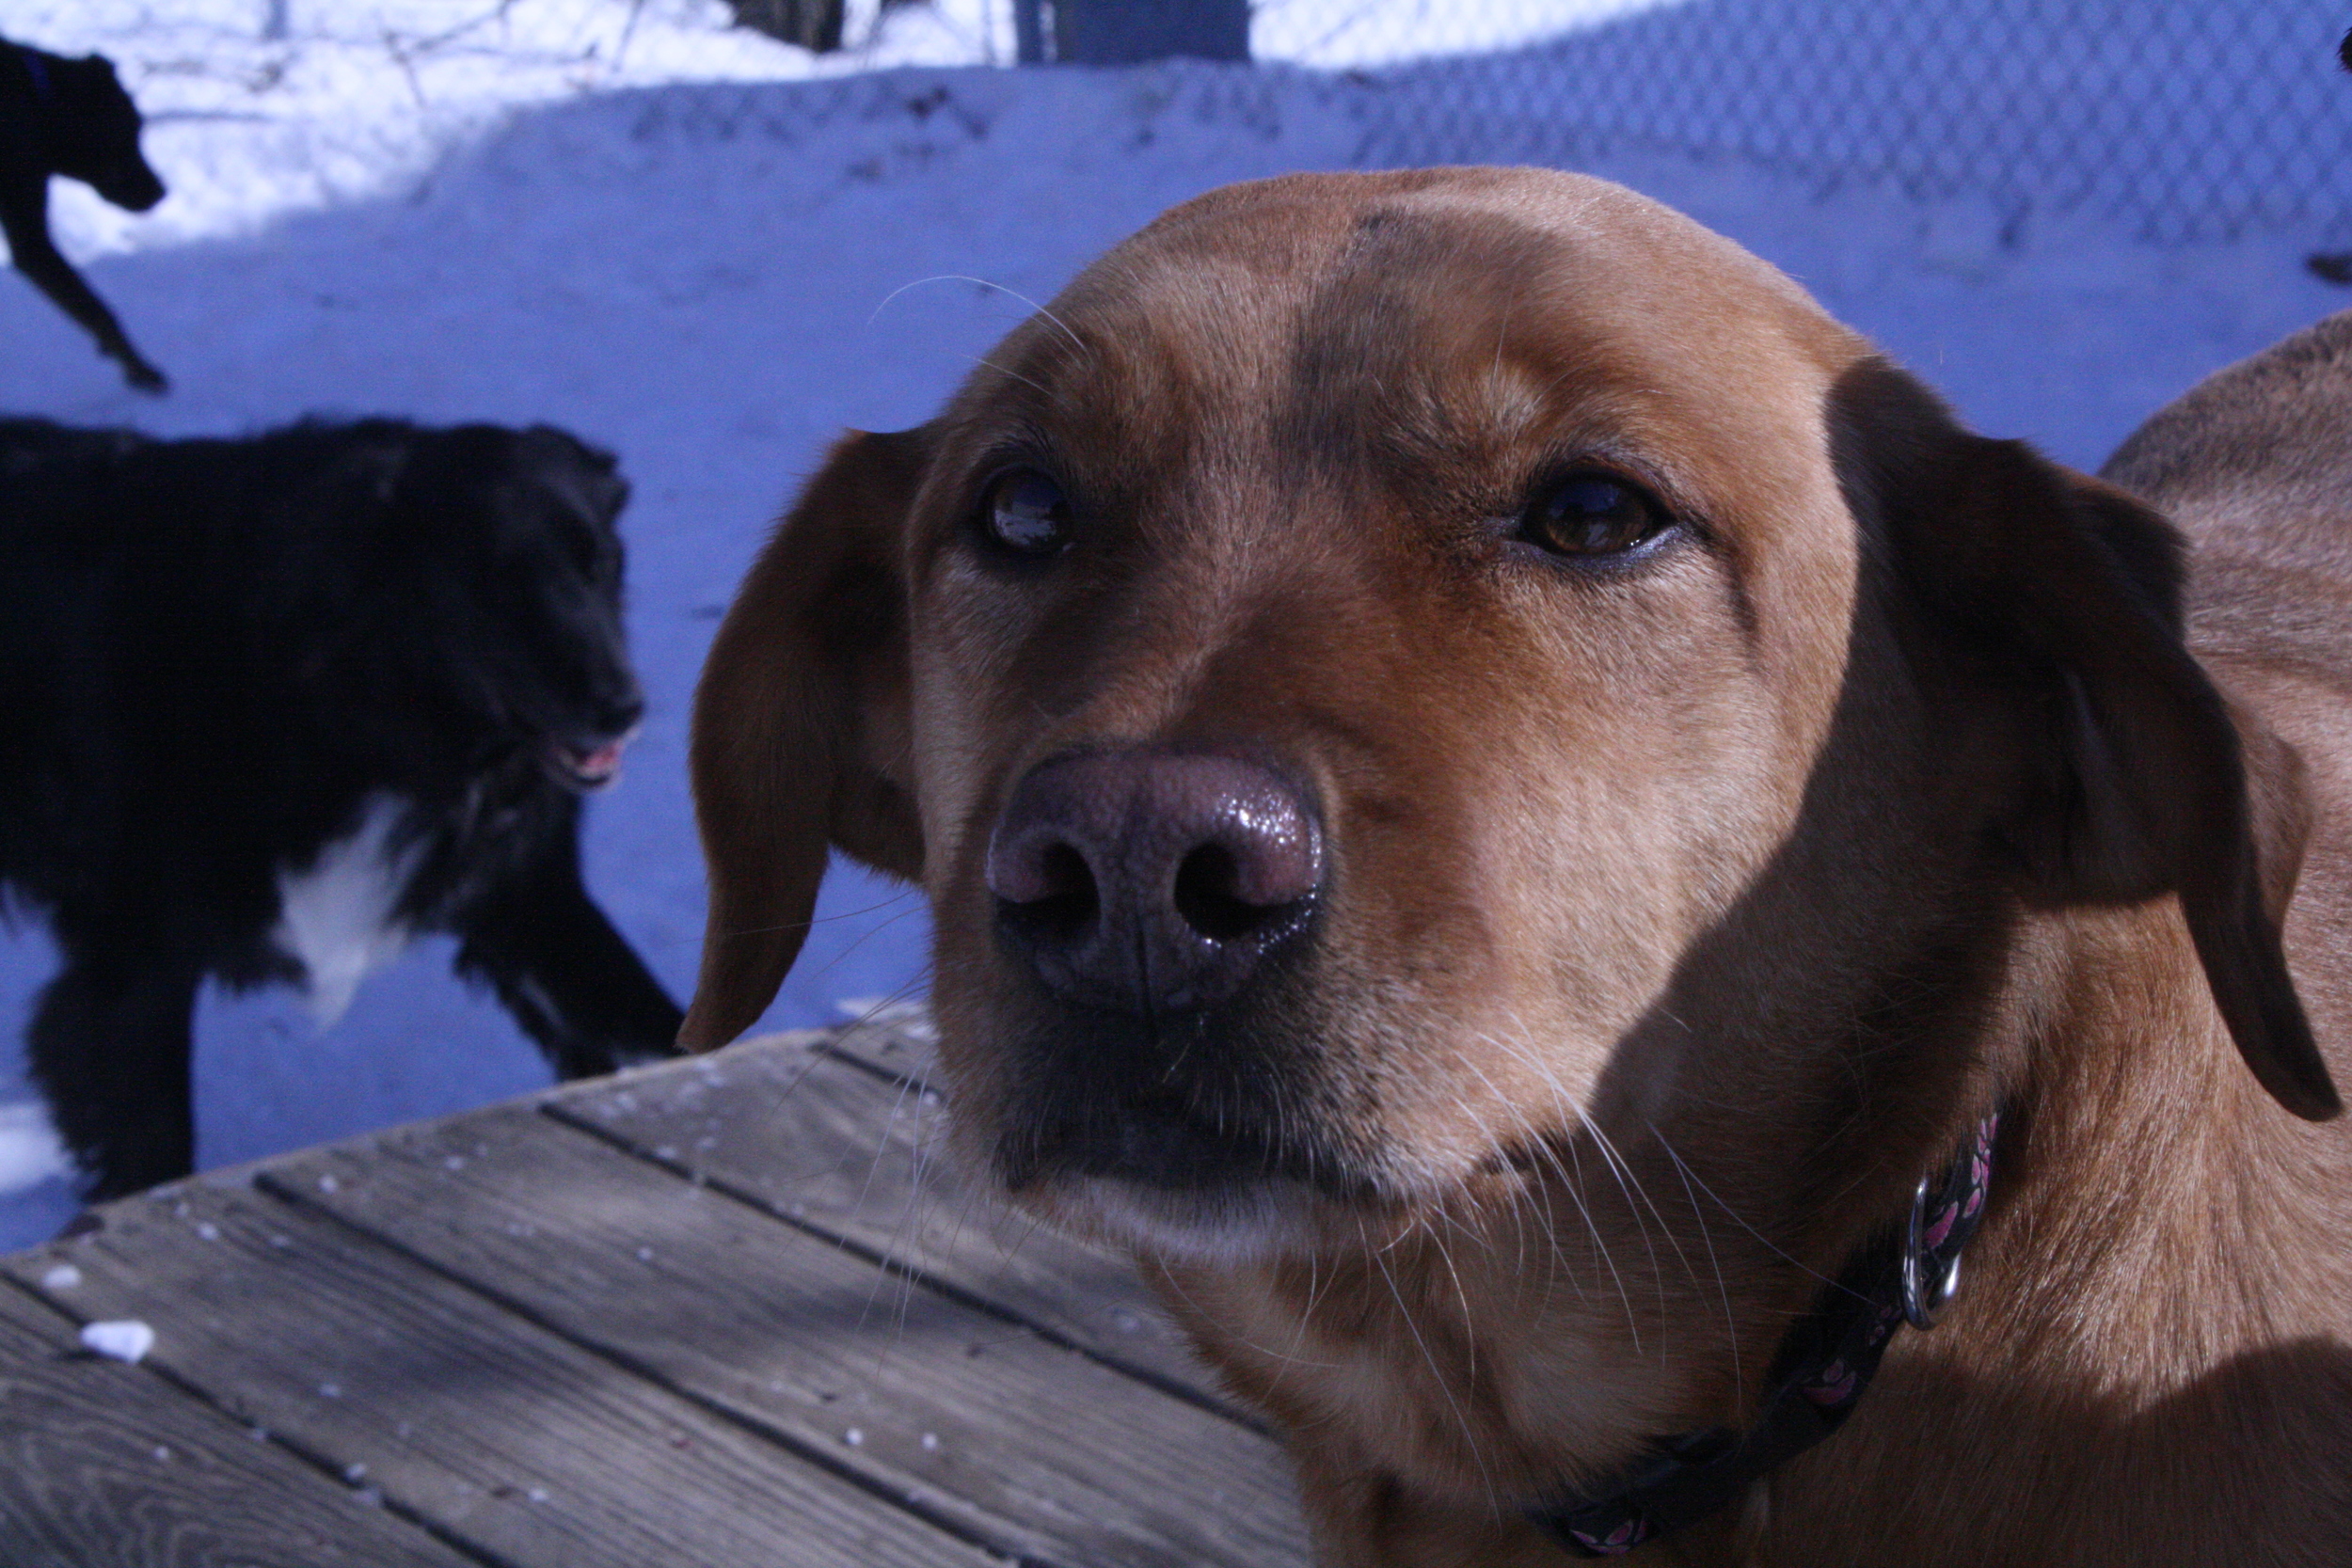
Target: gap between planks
point(525, 1447)
point(974, 1276)
point(1042, 1452)
point(87, 1446)
point(885, 1062)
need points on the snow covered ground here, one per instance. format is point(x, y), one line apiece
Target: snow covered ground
point(709, 253)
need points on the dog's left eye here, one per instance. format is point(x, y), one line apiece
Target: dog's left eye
point(1027, 513)
point(1592, 514)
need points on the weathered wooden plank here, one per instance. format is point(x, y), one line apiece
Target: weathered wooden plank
point(507, 1438)
point(108, 1465)
point(824, 1143)
point(896, 1038)
point(1042, 1450)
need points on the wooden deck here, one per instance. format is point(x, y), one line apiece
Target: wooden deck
point(722, 1311)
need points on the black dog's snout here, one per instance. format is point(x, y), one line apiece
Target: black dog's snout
point(1152, 881)
point(129, 184)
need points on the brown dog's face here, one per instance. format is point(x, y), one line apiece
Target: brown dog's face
point(1469, 748)
point(1388, 555)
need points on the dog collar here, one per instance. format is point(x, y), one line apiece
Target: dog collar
point(1817, 1377)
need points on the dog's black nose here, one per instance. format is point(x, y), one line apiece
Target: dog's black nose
point(1148, 880)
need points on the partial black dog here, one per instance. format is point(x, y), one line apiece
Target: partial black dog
point(60, 116)
point(273, 705)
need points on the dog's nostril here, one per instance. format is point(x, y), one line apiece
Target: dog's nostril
point(1058, 898)
point(1071, 896)
point(1065, 876)
point(1209, 899)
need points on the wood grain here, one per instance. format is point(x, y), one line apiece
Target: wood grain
point(507, 1438)
point(1039, 1450)
point(107, 1466)
point(859, 1156)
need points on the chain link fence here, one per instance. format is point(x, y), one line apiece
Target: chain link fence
point(2179, 121)
point(2185, 119)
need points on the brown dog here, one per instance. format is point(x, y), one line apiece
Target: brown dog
point(1503, 798)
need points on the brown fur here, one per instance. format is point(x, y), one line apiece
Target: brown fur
point(1678, 918)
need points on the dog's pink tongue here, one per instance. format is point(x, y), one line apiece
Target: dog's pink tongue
point(602, 762)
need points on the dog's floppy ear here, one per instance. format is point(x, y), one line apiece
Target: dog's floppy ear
point(800, 735)
point(2064, 594)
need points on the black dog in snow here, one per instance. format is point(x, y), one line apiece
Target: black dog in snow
point(274, 705)
point(60, 116)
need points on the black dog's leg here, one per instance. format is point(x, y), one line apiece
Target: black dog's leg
point(573, 983)
point(24, 219)
point(110, 1048)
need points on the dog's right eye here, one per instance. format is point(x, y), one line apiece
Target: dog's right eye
point(1027, 513)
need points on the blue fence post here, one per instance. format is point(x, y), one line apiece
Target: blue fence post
point(1126, 32)
point(1028, 31)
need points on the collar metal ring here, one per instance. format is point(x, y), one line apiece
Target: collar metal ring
point(1926, 1284)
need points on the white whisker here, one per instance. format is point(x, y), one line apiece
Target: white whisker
point(985, 283)
point(1722, 1291)
point(1469, 1435)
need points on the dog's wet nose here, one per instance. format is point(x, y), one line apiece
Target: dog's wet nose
point(1149, 880)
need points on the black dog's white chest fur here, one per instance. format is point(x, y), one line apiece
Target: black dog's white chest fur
point(338, 915)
